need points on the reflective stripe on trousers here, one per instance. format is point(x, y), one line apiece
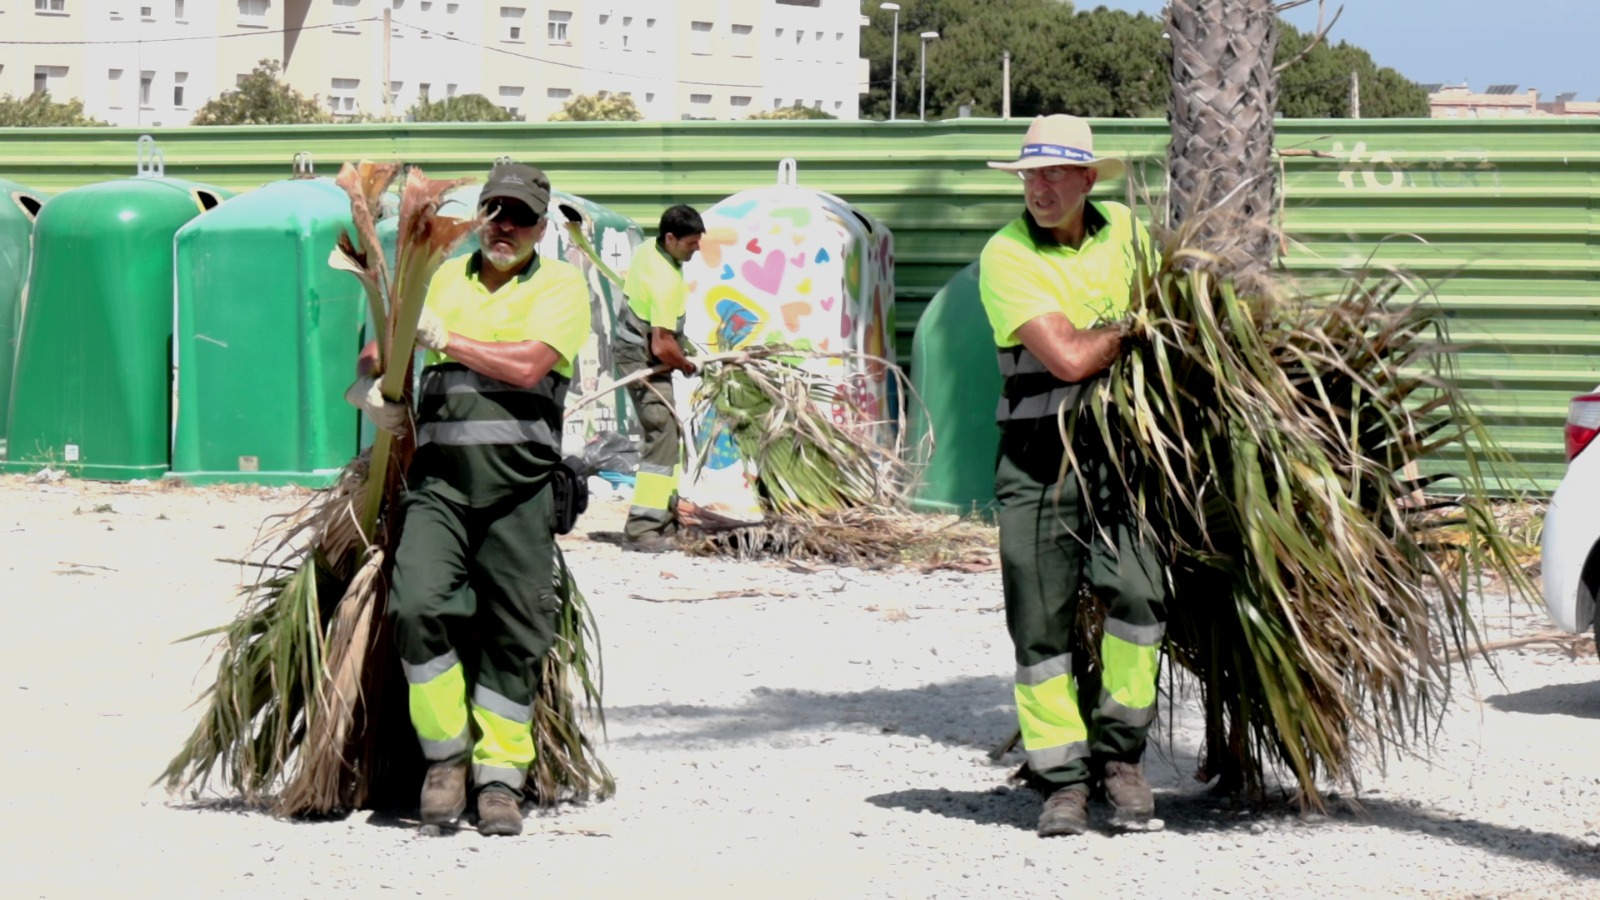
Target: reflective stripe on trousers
point(505, 749)
point(1130, 657)
point(438, 701)
point(653, 487)
point(1053, 732)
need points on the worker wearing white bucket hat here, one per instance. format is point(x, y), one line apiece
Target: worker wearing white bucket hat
point(1056, 283)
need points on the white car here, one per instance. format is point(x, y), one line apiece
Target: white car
point(1571, 542)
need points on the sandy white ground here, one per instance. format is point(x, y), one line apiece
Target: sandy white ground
point(774, 733)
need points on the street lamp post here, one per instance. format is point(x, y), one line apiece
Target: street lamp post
point(894, 57)
point(922, 103)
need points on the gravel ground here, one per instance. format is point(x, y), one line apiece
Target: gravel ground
point(775, 732)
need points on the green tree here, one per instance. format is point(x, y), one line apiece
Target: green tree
point(1318, 85)
point(39, 111)
point(465, 108)
point(792, 112)
point(261, 99)
point(598, 108)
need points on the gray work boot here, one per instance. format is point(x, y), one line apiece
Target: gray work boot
point(444, 793)
point(499, 812)
point(1128, 792)
point(1065, 812)
point(650, 543)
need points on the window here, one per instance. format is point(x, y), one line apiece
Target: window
point(450, 8)
point(55, 6)
point(511, 100)
point(561, 94)
point(449, 91)
point(342, 96)
point(147, 13)
point(345, 12)
point(146, 80)
point(738, 102)
point(799, 2)
point(179, 79)
point(700, 38)
point(741, 39)
point(422, 91)
point(48, 78)
point(114, 93)
point(777, 103)
point(650, 97)
point(556, 27)
point(650, 38)
point(700, 99)
point(178, 9)
point(253, 12)
point(511, 22)
point(396, 88)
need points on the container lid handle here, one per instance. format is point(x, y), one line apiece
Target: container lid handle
point(789, 172)
point(151, 162)
point(303, 166)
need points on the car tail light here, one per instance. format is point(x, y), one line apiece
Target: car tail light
point(1583, 423)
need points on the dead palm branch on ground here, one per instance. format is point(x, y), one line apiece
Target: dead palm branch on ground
point(308, 712)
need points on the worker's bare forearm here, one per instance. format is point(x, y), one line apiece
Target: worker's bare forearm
point(665, 347)
point(1071, 354)
point(522, 363)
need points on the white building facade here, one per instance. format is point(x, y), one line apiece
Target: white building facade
point(149, 63)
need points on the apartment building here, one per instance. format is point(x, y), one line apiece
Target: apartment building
point(148, 63)
point(701, 59)
point(136, 63)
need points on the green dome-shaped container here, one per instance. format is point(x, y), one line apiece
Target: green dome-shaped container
point(954, 370)
point(91, 390)
point(19, 206)
point(266, 341)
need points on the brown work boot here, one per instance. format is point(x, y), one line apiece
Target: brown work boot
point(1128, 792)
point(1065, 812)
point(499, 812)
point(444, 793)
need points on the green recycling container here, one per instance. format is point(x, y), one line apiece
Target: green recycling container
point(91, 389)
point(956, 374)
point(614, 238)
point(19, 206)
point(266, 341)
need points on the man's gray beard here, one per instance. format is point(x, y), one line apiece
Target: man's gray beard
point(507, 260)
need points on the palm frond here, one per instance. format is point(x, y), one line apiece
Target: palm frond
point(1264, 441)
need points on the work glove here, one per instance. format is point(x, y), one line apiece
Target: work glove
point(366, 396)
point(431, 333)
point(689, 367)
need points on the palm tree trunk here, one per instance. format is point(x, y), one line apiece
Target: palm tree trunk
point(1224, 94)
point(1223, 193)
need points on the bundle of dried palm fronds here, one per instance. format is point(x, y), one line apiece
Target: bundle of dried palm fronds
point(308, 712)
point(833, 479)
point(1264, 440)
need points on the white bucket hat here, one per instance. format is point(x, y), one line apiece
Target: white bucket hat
point(1060, 140)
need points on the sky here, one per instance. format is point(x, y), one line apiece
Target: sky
point(1552, 45)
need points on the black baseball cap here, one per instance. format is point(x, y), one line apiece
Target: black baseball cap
point(515, 181)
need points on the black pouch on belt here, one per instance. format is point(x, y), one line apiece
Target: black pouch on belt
point(571, 486)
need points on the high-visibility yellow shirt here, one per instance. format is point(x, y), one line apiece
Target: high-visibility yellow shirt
point(547, 302)
point(481, 440)
point(1020, 279)
point(655, 289)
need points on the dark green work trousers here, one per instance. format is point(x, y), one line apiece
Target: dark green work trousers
point(655, 486)
point(1049, 547)
point(474, 607)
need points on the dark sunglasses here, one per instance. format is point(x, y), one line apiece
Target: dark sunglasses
point(517, 216)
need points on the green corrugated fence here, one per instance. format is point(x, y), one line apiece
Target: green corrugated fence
point(1503, 216)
